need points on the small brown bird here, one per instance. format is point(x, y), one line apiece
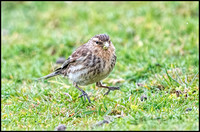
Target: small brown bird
point(90, 63)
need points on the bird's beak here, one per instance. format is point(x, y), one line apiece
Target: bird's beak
point(106, 45)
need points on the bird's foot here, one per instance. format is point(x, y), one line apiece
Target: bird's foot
point(84, 94)
point(111, 88)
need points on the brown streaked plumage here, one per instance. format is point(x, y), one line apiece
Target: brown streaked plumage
point(90, 63)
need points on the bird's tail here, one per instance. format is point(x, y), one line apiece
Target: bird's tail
point(50, 75)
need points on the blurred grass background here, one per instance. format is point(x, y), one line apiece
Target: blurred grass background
point(156, 43)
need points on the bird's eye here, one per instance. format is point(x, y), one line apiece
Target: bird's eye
point(97, 42)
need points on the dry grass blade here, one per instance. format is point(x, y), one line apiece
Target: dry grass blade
point(193, 78)
point(178, 76)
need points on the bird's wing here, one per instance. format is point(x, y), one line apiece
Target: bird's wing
point(77, 56)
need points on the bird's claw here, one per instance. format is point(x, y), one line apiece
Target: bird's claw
point(111, 88)
point(114, 88)
point(84, 94)
point(107, 92)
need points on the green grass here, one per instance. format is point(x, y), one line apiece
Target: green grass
point(157, 47)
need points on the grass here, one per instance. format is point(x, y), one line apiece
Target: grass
point(157, 47)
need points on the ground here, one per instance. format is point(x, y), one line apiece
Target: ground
point(157, 68)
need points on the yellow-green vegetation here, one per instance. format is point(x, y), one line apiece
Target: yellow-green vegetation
point(157, 58)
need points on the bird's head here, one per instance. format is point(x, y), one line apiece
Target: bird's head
point(101, 40)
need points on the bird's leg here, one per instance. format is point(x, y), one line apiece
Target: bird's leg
point(83, 93)
point(99, 84)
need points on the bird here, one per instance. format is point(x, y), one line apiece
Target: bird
point(90, 63)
